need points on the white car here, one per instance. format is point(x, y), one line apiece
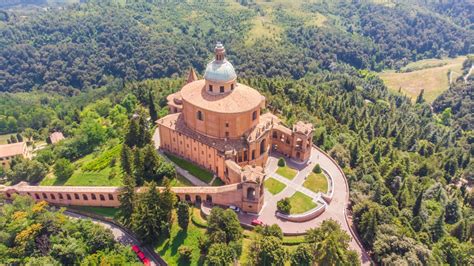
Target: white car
point(234, 208)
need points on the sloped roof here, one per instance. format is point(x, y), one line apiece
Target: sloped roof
point(13, 149)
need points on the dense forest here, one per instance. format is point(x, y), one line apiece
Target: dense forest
point(75, 48)
point(409, 164)
point(28, 228)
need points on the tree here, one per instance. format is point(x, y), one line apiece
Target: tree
point(147, 215)
point(420, 98)
point(224, 223)
point(19, 137)
point(452, 212)
point(151, 106)
point(284, 205)
point(437, 229)
point(303, 255)
point(63, 169)
point(127, 199)
point(138, 167)
point(281, 162)
point(417, 207)
point(126, 159)
point(166, 203)
point(267, 250)
point(27, 170)
point(330, 244)
point(151, 164)
point(220, 254)
point(317, 169)
point(183, 214)
point(185, 253)
point(270, 230)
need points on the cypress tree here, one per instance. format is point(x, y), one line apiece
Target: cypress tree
point(437, 230)
point(453, 213)
point(420, 98)
point(152, 108)
point(151, 164)
point(126, 160)
point(183, 214)
point(417, 207)
point(127, 199)
point(138, 169)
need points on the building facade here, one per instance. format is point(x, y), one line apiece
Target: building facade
point(220, 125)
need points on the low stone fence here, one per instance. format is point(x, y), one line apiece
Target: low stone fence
point(329, 194)
point(303, 217)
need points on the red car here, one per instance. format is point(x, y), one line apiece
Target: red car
point(141, 255)
point(256, 222)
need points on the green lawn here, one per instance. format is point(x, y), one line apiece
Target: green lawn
point(201, 173)
point(180, 181)
point(287, 172)
point(274, 186)
point(103, 211)
point(82, 177)
point(301, 203)
point(316, 182)
point(168, 248)
point(217, 182)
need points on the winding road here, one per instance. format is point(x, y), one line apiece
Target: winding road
point(120, 235)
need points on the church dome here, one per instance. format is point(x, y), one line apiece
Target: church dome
point(220, 70)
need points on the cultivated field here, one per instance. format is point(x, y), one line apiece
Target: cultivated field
point(432, 75)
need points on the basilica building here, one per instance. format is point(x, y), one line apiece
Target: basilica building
point(221, 125)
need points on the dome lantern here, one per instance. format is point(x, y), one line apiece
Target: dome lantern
point(220, 74)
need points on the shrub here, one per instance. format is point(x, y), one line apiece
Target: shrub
point(183, 214)
point(185, 253)
point(63, 169)
point(284, 206)
point(317, 169)
point(281, 162)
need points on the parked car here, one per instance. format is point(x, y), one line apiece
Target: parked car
point(256, 222)
point(141, 255)
point(234, 208)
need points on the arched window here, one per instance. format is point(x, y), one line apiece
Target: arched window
point(60, 196)
point(254, 115)
point(68, 197)
point(44, 196)
point(102, 198)
point(275, 134)
point(111, 197)
point(37, 196)
point(187, 197)
point(208, 198)
point(210, 88)
point(76, 196)
point(221, 89)
point(93, 197)
point(52, 196)
point(250, 193)
point(199, 116)
point(84, 196)
point(262, 146)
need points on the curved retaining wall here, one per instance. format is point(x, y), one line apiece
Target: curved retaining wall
point(303, 217)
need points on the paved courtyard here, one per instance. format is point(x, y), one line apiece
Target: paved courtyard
point(335, 210)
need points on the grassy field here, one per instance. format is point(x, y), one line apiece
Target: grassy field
point(82, 177)
point(301, 203)
point(168, 248)
point(4, 137)
point(103, 211)
point(287, 172)
point(274, 186)
point(316, 183)
point(193, 169)
point(430, 75)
